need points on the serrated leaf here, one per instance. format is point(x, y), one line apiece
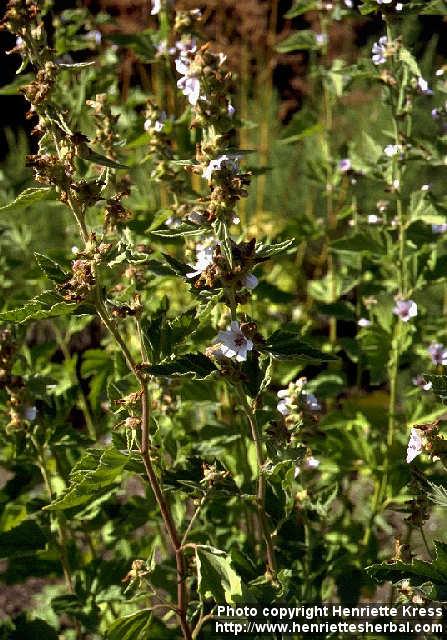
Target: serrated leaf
point(418, 571)
point(135, 626)
point(25, 539)
point(438, 494)
point(51, 268)
point(194, 364)
point(178, 268)
point(178, 232)
point(300, 7)
point(29, 197)
point(298, 41)
point(266, 251)
point(87, 483)
point(75, 65)
point(216, 577)
point(158, 268)
point(36, 310)
point(286, 345)
point(97, 158)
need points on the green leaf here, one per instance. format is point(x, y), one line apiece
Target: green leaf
point(141, 43)
point(37, 310)
point(92, 476)
point(365, 153)
point(438, 494)
point(362, 242)
point(300, 7)
point(98, 366)
point(298, 41)
point(434, 8)
point(418, 571)
point(97, 158)
point(135, 626)
point(75, 65)
point(178, 268)
point(266, 251)
point(51, 269)
point(178, 232)
point(216, 577)
point(223, 235)
point(408, 59)
point(286, 345)
point(14, 87)
point(195, 364)
point(29, 197)
point(25, 539)
point(158, 268)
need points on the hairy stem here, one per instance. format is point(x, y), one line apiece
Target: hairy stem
point(261, 490)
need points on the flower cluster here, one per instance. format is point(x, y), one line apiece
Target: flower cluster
point(295, 397)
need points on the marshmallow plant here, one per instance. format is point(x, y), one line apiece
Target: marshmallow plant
point(204, 402)
point(160, 370)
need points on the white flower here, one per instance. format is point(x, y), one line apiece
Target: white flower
point(222, 162)
point(363, 322)
point(438, 353)
point(231, 110)
point(379, 50)
point(384, 1)
point(439, 228)
point(156, 7)
point(399, 6)
point(30, 413)
point(233, 342)
point(190, 87)
point(204, 257)
point(186, 46)
point(415, 444)
point(345, 165)
point(311, 462)
point(419, 381)
point(374, 218)
point(189, 84)
point(423, 86)
point(157, 125)
point(173, 222)
point(163, 49)
point(94, 36)
point(311, 401)
point(321, 39)
point(74, 249)
point(392, 150)
point(250, 281)
point(405, 309)
point(349, 4)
